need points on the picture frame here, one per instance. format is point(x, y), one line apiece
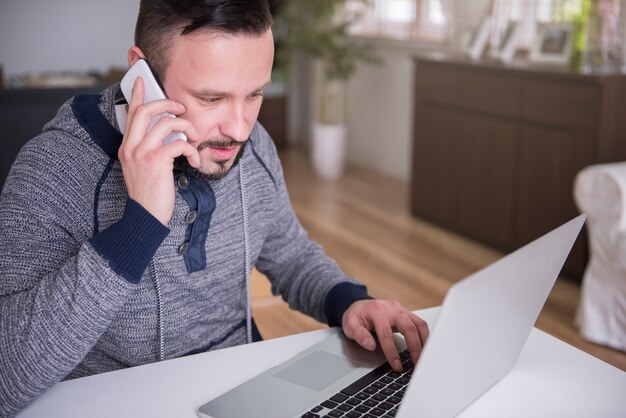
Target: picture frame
point(510, 40)
point(478, 39)
point(553, 44)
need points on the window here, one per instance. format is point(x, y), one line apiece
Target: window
point(531, 12)
point(399, 19)
point(427, 19)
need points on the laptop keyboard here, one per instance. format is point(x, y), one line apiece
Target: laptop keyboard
point(377, 394)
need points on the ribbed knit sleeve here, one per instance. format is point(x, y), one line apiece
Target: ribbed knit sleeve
point(130, 243)
point(339, 299)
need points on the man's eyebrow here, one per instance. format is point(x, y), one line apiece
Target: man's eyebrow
point(211, 92)
point(264, 86)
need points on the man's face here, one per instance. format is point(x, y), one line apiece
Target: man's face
point(220, 79)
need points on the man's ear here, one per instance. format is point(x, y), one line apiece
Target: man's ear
point(134, 55)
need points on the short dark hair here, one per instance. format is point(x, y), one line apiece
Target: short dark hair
point(159, 20)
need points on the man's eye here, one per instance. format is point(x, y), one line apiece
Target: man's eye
point(211, 99)
point(257, 94)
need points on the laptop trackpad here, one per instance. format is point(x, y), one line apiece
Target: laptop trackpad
point(317, 370)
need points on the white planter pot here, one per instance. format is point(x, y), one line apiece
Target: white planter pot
point(329, 149)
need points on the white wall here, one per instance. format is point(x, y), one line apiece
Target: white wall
point(380, 110)
point(380, 100)
point(58, 35)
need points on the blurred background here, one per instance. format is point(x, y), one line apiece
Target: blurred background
point(423, 141)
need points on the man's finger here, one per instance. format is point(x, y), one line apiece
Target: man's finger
point(365, 339)
point(165, 126)
point(384, 333)
point(142, 118)
point(135, 101)
point(421, 325)
point(411, 335)
point(355, 330)
point(137, 95)
point(180, 147)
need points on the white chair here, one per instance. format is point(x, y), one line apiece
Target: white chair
point(600, 192)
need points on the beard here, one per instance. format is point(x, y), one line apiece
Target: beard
point(181, 163)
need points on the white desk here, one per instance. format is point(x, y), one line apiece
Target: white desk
point(551, 379)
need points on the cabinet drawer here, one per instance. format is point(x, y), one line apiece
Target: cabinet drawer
point(559, 103)
point(274, 119)
point(273, 107)
point(493, 93)
point(438, 83)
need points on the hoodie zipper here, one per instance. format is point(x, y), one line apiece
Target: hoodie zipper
point(246, 250)
point(161, 325)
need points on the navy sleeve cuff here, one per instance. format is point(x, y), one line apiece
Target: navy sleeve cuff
point(130, 243)
point(339, 299)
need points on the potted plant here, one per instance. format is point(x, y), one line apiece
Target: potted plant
point(319, 29)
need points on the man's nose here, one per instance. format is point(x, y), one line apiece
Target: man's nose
point(235, 124)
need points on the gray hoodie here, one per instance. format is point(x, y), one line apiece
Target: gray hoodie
point(90, 282)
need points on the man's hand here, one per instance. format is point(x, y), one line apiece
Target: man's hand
point(147, 164)
point(384, 317)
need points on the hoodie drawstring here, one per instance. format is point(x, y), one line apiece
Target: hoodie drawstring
point(246, 250)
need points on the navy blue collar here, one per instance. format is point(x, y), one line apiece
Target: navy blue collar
point(86, 111)
point(198, 195)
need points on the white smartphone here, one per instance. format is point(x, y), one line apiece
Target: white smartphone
point(153, 91)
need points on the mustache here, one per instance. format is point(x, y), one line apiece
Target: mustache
point(220, 143)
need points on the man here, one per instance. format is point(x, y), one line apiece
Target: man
point(116, 250)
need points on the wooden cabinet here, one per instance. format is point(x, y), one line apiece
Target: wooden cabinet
point(496, 148)
point(273, 117)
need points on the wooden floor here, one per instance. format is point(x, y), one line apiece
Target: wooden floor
point(362, 220)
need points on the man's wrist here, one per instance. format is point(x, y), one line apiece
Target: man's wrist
point(340, 298)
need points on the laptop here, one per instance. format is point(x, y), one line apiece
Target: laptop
point(474, 341)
